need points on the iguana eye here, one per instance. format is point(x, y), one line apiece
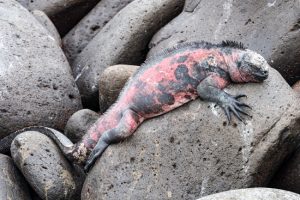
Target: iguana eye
point(255, 67)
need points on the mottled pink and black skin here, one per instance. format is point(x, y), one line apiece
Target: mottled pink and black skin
point(169, 81)
point(166, 82)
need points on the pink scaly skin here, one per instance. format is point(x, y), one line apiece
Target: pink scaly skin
point(162, 84)
point(167, 83)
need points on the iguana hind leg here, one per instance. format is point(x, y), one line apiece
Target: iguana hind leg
point(128, 123)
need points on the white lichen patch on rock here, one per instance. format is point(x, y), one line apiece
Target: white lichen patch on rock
point(246, 131)
point(224, 18)
point(271, 4)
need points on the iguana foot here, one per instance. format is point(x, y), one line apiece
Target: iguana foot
point(95, 154)
point(230, 104)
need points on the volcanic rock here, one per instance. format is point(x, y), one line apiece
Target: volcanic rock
point(272, 28)
point(36, 84)
point(79, 123)
point(296, 87)
point(287, 177)
point(45, 168)
point(64, 13)
point(123, 39)
point(111, 83)
point(47, 23)
point(75, 41)
point(12, 182)
point(253, 194)
point(192, 151)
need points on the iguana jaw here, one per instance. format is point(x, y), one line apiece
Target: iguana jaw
point(247, 66)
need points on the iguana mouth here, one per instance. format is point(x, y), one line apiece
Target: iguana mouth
point(261, 76)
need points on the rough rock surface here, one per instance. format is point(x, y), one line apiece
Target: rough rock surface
point(12, 183)
point(253, 194)
point(287, 177)
point(75, 41)
point(66, 20)
point(35, 89)
point(47, 23)
point(35, 196)
point(192, 152)
point(111, 83)
point(296, 87)
point(44, 167)
point(64, 13)
point(270, 27)
point(122, 40)
point(51, 7)
point(78, 124)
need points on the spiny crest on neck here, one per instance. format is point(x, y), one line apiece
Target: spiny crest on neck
point(190, 46)
point(233, 44)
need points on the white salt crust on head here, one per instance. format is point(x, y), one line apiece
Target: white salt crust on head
point(257, 60)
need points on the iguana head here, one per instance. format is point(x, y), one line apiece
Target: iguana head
point(251, 67)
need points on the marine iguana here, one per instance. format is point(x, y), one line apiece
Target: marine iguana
point(161, 84)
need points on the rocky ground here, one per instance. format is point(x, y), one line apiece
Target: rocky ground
point(63, 63)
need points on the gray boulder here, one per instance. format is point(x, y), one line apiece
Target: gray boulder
point(50, 7)
point(123, 39)
point(287, 177)
point(64, 13)
point(36, 84)
point(45, 168)
point(192, 152)
point(268, 27)
point(12, 183)
point(79, 123)
point(296, 87)
point(253, 194)
point(75, 41)
point(111, 83)
point(47, 23)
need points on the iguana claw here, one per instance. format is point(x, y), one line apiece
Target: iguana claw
point(232, 105)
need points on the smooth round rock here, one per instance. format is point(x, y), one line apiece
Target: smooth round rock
point(253, 194)
point(191, 152)
point(296, 87)
point(50, 7)
point(287, 177)
point(36, 84)
point(123, 39)
point(45, 168)
point(79, 123)
point(76, 39)
point(47, 23)
point(64, 13)
point(268, 27)
point(12, 183)
point(111, 83)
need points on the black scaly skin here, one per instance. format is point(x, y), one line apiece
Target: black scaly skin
point(163, 83)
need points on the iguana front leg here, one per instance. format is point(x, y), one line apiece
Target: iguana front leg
point(210, 89)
